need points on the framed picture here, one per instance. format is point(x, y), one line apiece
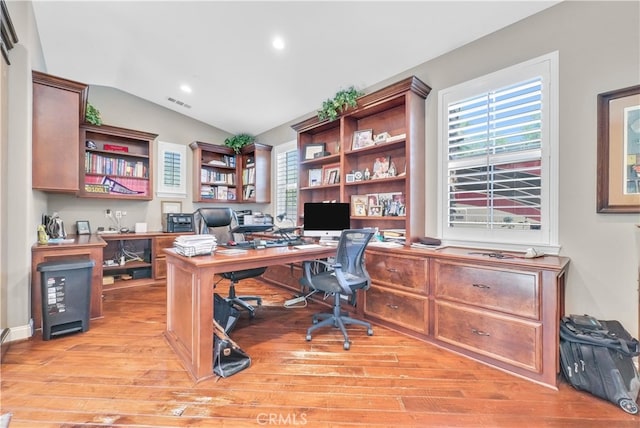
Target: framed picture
point(315, 177)
point(171, 207)
point(83, 227)
point(331, 173)
point(310, 150)
point(381, 167)
point(375, 210)
point(618, 186)
point(350, 178)
point(362, 139)
point(359, 205)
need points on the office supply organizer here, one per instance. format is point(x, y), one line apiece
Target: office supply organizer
point(195, 245)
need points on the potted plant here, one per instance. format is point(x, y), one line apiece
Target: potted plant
point(92, 115)
point(343, 99)
point(237, 142)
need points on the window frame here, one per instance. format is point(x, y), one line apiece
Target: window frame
point(546, 238)
point(283, 150)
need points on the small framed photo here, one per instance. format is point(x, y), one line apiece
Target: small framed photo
point(362, 139)
point(331, 174)
point(310, 150)
point(83, 227)
point(171, 207)
point(375, 210)
point(315, 177)
point(350, 178)
point(381, 138)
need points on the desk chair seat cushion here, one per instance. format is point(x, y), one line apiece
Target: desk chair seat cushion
point(328, 282)
point(243, 274)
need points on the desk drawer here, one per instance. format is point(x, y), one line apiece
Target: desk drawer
point(401, 272)
point(510, 340)
point(396, 307)
point(509, 291)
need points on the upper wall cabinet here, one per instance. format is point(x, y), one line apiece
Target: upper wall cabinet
point(373, 157)
point(116, 163)
point(58, 110)
point(221, 175)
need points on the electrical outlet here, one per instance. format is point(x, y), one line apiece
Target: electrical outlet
point(124, 213)
point(118, 214)
point(107, 213)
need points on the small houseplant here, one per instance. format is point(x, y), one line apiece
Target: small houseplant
point(92, 115)
point(333, 107)
point(237, 142)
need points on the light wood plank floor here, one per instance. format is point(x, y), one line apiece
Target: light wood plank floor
point(122, 373)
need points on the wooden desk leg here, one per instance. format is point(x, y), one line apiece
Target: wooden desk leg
point(190, 317)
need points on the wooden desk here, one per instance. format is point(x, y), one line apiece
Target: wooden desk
point(83, 247)
point(190, 297)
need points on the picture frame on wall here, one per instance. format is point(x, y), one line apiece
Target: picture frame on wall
point(311, 150)
point(618, 152)
point(171, 207)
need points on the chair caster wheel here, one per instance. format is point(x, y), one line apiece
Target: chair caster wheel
point(346, 346)
point(308, 338)
point(370, 332)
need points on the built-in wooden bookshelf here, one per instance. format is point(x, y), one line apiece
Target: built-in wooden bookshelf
point(116, 163)
point(221, 175)
point(373, 156)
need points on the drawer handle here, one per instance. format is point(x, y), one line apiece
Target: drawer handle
point(392, 306)
point(486, 287)
point(392, 270)
point(480, 332)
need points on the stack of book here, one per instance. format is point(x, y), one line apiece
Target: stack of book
point(195, 245)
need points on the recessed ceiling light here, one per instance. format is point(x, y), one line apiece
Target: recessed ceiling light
point(185, 88)
point(278, 43)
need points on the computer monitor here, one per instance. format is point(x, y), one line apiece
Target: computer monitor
point(326, 220)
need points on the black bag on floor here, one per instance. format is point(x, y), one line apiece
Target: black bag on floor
point(228, 358)
point(224, 313)
point(597, 356)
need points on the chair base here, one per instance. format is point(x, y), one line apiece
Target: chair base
point(241, 302)
point(339, 320)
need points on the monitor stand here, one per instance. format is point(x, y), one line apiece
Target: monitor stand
point(329, 240)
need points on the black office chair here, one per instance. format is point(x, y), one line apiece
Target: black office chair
point(220, 222)
point(341, 278)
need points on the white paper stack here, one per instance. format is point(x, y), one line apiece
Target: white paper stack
point(195, 245)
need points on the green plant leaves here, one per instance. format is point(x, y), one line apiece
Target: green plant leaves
point(333, 107)
point(237, 142)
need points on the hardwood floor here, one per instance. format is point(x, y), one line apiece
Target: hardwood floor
point(122, 373)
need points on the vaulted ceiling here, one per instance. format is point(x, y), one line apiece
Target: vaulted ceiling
point(223, 49)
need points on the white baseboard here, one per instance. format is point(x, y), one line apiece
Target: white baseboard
point(19, 333)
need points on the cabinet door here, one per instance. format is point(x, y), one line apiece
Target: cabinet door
point(58, 108)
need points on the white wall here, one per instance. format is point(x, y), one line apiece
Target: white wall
point(599, 49)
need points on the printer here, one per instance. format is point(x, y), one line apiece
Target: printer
point(177, 223)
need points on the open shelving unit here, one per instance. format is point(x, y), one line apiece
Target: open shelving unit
point(397, 198)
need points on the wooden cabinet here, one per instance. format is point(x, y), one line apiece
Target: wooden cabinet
point(386, 172)
point(58, 110)
point(504, 312)
point(116, 163)
point(398, 294)
point(221, 175)
point(159, 243)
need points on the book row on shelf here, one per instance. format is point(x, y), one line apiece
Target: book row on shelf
point(218, 192)
point(249, 175)
point(98, 164)
point(226, 160)
point(210, 176)
point(378, 204)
